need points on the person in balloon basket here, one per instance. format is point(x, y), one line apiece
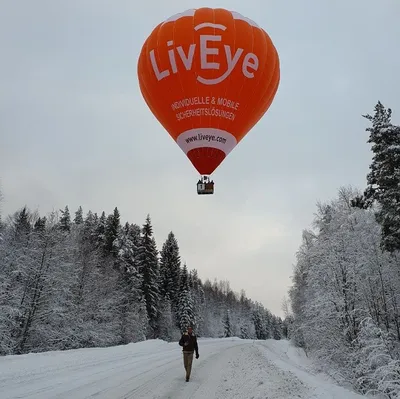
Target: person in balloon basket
point(188, 342)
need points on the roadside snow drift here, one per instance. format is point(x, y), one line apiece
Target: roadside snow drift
point(227, 368)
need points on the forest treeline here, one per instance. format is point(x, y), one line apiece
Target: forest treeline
point(345, 297)
point(86, 280)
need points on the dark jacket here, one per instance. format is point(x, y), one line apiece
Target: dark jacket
point(189, 343)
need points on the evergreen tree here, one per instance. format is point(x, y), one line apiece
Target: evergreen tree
point(183, 278)
point(65, 220)
point(96, 218)
point(198, 297)
point(135, 238)
point(40, 224)
point(170, 264)
point(166, 321)
point(100, 231)
point(186, 314)
point(125, 246)
point(267, 323)
point(89, 227)
point(259, 322)
point(133, 321)
point(148, 267)
point(276, 328)
point(191, 283)
point(1, 222)
point(78, 216)
point(244, 331)
point(227, 325)
point(384, 177)
point(132, 308)
point(22, 224)
point(111, 231)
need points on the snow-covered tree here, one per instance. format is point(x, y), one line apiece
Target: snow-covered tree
point(133, 319)
point(148, 268)
point(1, 219)
point(227, 325)
point(185, 308)
point(111, 231)
point(276, 327)
point(22, 224)
point(78, 216)
point(244, 331)
point(100, 234)
point(40, 224)
point(170, 264)
point(384, 177)
point(260, 322)
point(376, 370)
point(65, 220)
point(167, 327)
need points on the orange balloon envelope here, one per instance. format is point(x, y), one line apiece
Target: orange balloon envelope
point(208, 75)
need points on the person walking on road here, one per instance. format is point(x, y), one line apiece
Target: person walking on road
point(189, 343)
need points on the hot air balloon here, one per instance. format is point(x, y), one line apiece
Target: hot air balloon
point(208, 76)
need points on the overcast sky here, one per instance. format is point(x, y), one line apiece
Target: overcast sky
point(75, 130)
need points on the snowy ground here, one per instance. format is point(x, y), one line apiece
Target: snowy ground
point(227, 368)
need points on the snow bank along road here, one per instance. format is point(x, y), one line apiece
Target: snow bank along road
point(227, 368)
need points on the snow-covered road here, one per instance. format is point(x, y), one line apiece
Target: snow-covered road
point(227, 368)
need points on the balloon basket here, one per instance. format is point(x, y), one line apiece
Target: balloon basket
point(205, 186)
